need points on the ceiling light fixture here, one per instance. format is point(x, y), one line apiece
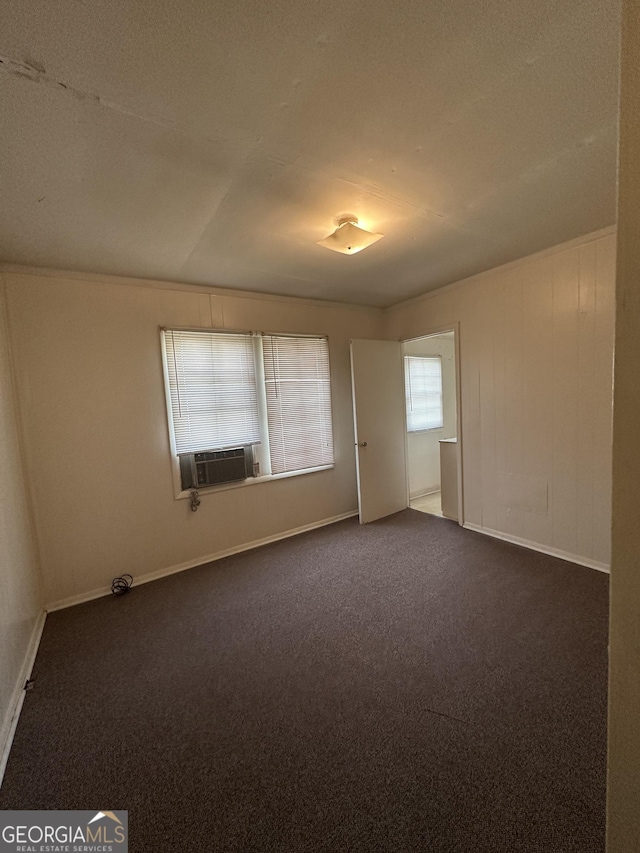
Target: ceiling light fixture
point(348, 237)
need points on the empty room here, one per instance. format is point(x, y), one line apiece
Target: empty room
point(319, 337)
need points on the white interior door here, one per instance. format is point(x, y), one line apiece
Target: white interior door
point(379, 413)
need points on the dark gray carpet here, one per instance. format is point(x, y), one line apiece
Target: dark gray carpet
point(404, 686)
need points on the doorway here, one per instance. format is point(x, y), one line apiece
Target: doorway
point(432, 451)
point(382, 438)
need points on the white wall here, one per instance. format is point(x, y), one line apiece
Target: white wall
point(89, 374)
point(423, 447)
point(20, 593)
point(623, 814)
point(536, 348)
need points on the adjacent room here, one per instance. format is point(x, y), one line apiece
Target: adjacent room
point(307, 326)
point(431, 389)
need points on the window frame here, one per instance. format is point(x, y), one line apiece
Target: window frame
point(184, 494)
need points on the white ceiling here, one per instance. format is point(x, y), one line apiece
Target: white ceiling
point(216, 142)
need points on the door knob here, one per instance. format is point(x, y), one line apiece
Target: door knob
point(361, 444)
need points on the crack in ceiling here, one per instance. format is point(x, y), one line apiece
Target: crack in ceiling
point(219, 148)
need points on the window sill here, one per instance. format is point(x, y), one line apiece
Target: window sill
point(251, 481)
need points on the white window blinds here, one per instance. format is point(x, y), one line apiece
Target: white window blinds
point(298, 402)
point(423, 388)
point(212, 385)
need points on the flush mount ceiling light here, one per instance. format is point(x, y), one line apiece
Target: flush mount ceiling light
point(348, 237)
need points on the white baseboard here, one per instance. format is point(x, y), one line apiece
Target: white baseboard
point(15, 706)
point(199, 561)
point(424, 494)
point(543, 549)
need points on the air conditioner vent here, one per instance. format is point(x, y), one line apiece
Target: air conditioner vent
point(212, 467)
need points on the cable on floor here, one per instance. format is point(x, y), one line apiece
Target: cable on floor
point(121, 585)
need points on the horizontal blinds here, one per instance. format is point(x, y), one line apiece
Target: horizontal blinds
point(298, 402)
point(423, 386)
point(212, 384)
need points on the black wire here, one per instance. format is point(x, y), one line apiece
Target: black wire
point(121, 585)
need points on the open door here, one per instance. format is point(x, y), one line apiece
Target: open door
point(379, 413)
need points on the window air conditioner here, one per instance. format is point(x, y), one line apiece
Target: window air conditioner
point(212, 467)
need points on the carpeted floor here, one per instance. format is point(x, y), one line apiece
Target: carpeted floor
point(404, 686)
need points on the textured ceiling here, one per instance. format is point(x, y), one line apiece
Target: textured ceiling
point(215, 143)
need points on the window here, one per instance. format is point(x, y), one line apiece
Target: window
point(423, 390)
point(231, 390)
point(212, 382)
point(296, 372)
